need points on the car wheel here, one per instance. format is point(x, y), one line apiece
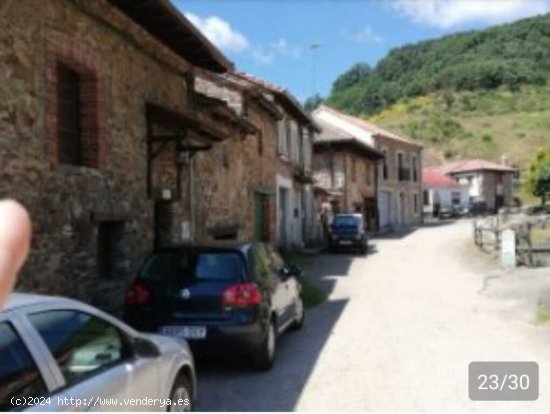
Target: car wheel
point(265, 354)
point(181, 390)
point(300, 315)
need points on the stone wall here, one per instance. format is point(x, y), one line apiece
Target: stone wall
point(228, 178)
point(347, 172)
point(360, 181)
point(68, 202)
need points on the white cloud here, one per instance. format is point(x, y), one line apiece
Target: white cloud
point(282, 47)
point(445, 14)
point(366, 35)
point(220, 32)
point(261, 56)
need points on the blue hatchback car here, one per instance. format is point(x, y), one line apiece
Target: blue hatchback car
point(237, 296)
point(348, 231)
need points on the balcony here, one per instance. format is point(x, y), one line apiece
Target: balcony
point(404, 174)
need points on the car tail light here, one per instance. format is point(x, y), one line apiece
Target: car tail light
point(241, 295)
point(137, 295)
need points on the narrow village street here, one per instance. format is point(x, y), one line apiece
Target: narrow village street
point(397, 333)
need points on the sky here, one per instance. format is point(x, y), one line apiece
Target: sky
point(303, 45)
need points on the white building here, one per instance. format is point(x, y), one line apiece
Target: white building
point(490, 185)
point(440, 190)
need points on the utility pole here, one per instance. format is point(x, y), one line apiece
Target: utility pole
point(314, 47)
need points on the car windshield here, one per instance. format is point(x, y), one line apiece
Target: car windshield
point(345, 221)
point(178, 265)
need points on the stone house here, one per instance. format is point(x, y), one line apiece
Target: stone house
point(489, 184)
point(98, 126)
point(398, 179)
point(345, 164)
point(269, 171)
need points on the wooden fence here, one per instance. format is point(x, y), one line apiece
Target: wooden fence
point(488, 237)
point(487, 232)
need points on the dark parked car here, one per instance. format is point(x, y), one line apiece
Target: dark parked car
point(447, 212)
point(237, 296)
point(348, 230)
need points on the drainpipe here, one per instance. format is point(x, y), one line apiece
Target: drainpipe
point(191, 188)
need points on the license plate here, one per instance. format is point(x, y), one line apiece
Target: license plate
point(346, 242)
point(185, 332)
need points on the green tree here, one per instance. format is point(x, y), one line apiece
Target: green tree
point(358, 73)
point(538, 180)
point(313, 102)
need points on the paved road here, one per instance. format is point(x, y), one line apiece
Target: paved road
point(398, 333)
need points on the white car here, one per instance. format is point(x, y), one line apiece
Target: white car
point(58, 354)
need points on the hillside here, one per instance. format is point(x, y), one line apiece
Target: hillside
point(476, 94)
point(508, 56)
point(482, 123)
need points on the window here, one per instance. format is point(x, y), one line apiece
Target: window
point(281, 137)
point(385, 164)
point(414, 169)
point(262, 265)
point(403, 173)
point(173, 266)
point(81, 344)
point(216, 266)
point(455, 198)
point(68, 116)
point(350, 221)
point(415, 203)
point(19, 375)
point(353, 169)
point(288, 136)
point(426, 198)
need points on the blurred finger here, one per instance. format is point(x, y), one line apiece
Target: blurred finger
point(15, 237)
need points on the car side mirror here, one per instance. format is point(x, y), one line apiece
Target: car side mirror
point(293, 270)
point(145, 348)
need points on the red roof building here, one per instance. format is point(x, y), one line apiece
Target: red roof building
point(432, 178)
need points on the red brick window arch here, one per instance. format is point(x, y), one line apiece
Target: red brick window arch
point(75, 107)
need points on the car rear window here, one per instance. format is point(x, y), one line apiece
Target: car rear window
point(180, 265)
point(345, 221)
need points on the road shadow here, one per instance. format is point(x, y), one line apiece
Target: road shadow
point(438, 222)
point(325, 269)
point(229, 385)
point(395, 234)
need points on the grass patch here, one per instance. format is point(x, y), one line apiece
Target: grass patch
point(311, 294)
point(540, 236)
point(498, 119)
point(543, 315)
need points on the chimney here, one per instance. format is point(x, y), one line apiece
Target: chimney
point(504, 160)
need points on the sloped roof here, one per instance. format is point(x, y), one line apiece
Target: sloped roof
point(368, 126)
point(331, 135)
point(472, 165)
point(433, 178)
point(165, 22)
point(286, 99)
